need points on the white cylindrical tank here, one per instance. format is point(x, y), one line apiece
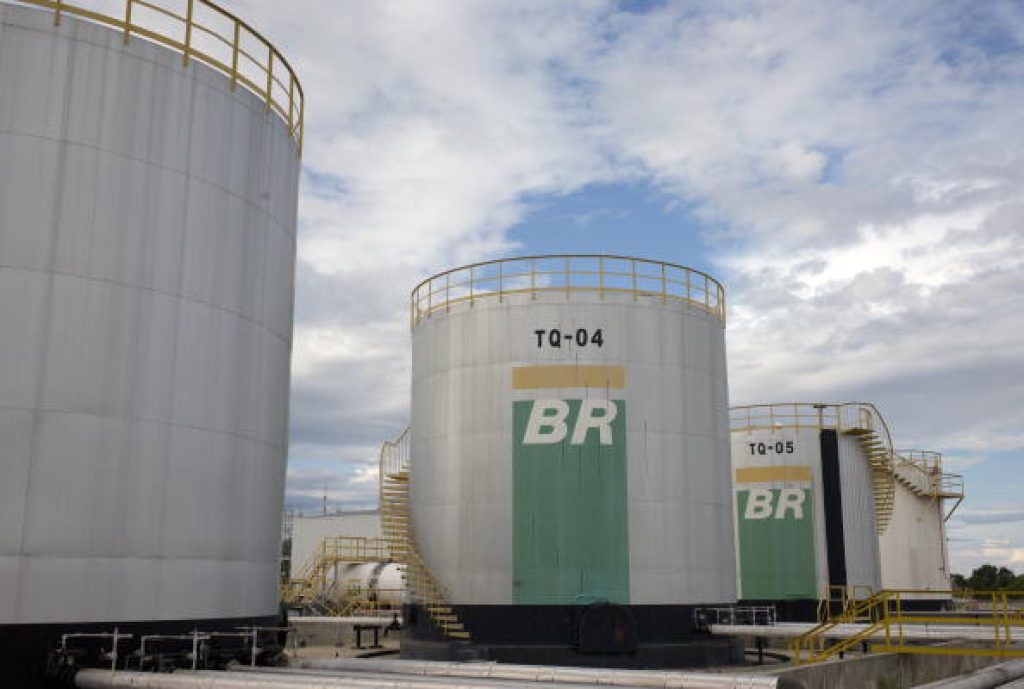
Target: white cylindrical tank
point(380, 582)
point(570, 443)
point(913, 549)
point(147, 251)
point(813, 487)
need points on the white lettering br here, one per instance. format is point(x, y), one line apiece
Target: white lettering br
point(549, 422)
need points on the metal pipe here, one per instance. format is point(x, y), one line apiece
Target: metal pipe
point(546, 674)
point(996, 676)
point(82, 635)
point(297, 679)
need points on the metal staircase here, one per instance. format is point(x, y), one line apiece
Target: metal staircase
point(396, 521)
point(811, 646)
point(864, 423)
point(315, 586)
point(998, 617)
point(921, 472)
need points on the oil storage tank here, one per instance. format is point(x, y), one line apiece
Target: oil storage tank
point(915, 559)
point(570, 497)
point(814, 488)
point(147, 248)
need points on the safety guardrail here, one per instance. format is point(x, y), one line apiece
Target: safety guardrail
point(923, 468)
point(883, 614)
point(203, 31)
point(563, 274)
point(843, 416)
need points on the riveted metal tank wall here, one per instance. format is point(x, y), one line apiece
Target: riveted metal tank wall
point(147, 250)
point(806, 514)
point(570, 434)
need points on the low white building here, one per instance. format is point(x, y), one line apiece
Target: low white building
point(309, 532)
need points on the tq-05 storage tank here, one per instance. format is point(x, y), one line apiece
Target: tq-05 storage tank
point(814, 489)
point(570, 490)
point(147, 246)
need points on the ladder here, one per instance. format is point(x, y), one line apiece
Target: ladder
point(396, 522)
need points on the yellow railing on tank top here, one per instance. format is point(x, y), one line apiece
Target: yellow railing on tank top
point(203, 31)
point(568, 275)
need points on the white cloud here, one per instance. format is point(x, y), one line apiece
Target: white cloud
point(859, 168)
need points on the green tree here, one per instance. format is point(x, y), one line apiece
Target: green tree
point(984, 578)
point(958, 581)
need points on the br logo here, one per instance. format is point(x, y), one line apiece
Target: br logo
point(550, 422)
point(762, 503)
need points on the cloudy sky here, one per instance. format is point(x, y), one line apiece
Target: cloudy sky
point(851, 171)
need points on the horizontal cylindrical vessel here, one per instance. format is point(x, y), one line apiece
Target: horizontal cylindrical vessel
point(147, 248)
point(570, 448)
point(813, 487)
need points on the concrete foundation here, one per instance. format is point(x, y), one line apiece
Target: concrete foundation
point(883, 671)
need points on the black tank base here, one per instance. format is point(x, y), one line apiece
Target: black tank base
point(598, 635)
point(792, 610)
point(28, 658)
point(807, 610)
point(713, 651)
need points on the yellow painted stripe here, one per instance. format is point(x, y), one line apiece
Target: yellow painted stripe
point(539, 377)
point(773, 474)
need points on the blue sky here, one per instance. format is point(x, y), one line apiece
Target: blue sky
point(594, 220)
point(851, 171)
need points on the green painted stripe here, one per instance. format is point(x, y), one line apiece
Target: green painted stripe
point(776, 545)
point(571, 542)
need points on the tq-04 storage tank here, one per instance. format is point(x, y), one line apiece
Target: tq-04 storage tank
point(814, 489)
point(147, 249)
point(570, 488)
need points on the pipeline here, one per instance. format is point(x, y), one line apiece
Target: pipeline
point(996, 676)
point(549, 674)
point(467, 676)
point(105, 679)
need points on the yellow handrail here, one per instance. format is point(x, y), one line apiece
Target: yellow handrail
point(844, 416)
point(563, 274)
point(884, 614)
point(229, 52)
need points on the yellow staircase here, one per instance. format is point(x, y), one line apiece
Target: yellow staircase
point(921, 472)
point(865, 424)
point(811, 646)
point(314, 587)
point(396, 522)
point(999, 613)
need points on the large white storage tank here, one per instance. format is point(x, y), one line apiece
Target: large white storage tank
point(147, 236)
point(814, 488)
point(570, 450)
point(914, 555)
